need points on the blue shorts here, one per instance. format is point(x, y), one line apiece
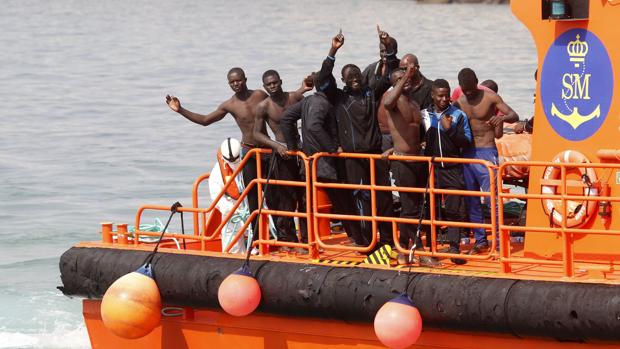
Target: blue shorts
point(477, 179)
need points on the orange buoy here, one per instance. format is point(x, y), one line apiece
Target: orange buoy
point(398, 323)
point(239, 294)
point(131, 307)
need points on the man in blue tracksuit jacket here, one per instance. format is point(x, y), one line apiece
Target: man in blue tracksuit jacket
point(447, 134)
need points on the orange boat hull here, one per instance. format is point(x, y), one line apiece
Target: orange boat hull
point(191, 328)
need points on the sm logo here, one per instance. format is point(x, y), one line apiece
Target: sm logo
point(576, 84)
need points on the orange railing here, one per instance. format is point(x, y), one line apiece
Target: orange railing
point(568, 259)
point(314, 237)
point(200, 214)
point(433, 222)
point(497, 227)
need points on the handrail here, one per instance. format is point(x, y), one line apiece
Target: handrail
point(374, 219)
point(498, 228)
point(568, 258)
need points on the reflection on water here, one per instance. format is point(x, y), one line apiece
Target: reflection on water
point(86, 136)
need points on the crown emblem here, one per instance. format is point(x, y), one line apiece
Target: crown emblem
point(577, 50)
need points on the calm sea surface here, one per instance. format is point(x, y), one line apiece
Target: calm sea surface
point(85, 135)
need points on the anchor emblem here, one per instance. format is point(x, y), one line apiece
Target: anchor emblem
point(576, 84)
point(575, 119)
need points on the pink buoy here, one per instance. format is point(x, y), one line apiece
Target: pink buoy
point(398, 323)
point(239, 294)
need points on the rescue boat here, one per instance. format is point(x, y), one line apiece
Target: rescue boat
point(550, 278)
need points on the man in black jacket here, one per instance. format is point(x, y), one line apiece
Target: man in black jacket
point(318, 130)
point(355, 109)
point(378, 70)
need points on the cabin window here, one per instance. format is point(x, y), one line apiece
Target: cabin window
point(565, 10)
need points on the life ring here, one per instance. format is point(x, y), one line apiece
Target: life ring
point(578, 212)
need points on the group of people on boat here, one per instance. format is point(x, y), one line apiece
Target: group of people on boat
point(389, 108)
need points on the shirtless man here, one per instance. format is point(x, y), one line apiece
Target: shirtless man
point(241, 106)
point(270, 112)
point(420, 93)
point(480, 106)
point(404, 121)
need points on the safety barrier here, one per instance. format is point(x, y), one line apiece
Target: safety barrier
point(432, 191)
point(205, 230)
point(567, 262)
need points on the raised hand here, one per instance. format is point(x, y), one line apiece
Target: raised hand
point(173, 103)
point(338, 41)
point(446, 122)
point(384, 38)
point(307, 84)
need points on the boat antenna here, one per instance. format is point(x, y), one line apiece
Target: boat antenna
point(272, 162)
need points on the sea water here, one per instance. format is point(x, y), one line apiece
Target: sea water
point(85, 135)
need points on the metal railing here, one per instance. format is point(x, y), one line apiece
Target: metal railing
point(568, 258)
point(499, 231)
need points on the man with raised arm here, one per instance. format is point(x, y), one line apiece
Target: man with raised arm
point(487, 124)
point(420, 93)
point(269, 112)
point(405, 123)
point(447, 134)
point(319, 133)
point(241, 106)
point(379, 69)
point(355, 109)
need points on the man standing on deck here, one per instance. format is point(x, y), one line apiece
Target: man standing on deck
point(481, 108)
point(374, 73)
point(405, 123)
point(447, 133)
point(420, 93)
point(319, 133)
point(269, 112)
point(355, 109)
point(241, 106)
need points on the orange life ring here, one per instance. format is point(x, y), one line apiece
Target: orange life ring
point(578, 212)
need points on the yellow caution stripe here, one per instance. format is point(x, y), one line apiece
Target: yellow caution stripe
point(381, 256)
point(335, 262)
